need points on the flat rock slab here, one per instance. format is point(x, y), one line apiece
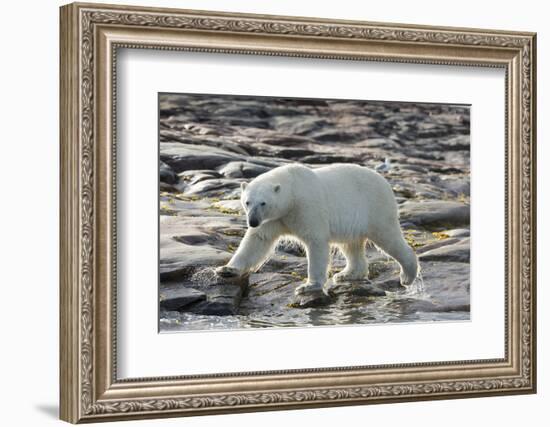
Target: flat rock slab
point(188, 244)
point(435, 213)
point(436, 245)
point(458, 252)
point(177, 298)
point(448, 286)
point(181, 157)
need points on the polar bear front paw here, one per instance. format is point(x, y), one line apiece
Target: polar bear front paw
point(227, 271)
point(308, 287)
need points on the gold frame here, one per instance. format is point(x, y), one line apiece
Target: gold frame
point(90, 36)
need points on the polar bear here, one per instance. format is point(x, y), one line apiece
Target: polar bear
point(340, 204)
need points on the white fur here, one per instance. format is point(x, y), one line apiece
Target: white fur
point(339, 204)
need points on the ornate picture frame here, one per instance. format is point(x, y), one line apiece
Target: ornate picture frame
point(90, 37)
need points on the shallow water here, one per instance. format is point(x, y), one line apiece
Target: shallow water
point(346, 310)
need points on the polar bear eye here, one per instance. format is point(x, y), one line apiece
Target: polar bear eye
point(263, 203)
point(247, 203)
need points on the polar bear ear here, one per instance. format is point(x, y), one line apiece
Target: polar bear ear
point(243, 186)
point(277, 188)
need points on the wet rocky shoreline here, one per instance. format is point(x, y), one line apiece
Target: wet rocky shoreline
point(210, 144)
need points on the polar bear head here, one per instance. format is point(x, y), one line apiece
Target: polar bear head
point(264, 200)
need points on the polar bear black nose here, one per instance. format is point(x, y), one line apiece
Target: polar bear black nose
point(253, 222)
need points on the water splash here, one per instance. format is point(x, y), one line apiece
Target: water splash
point(416, 288)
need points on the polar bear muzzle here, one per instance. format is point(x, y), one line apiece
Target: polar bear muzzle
point(253, 217)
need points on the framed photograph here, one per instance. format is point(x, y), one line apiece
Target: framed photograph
point(267, 212)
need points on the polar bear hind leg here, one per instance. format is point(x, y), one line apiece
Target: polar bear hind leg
point(357, 267)
point(394, 244)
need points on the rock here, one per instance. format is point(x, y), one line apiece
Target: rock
point(268, 162)
point(284, 140)
point(182, 253)
point(231, 207)
point(458, 232)
point(358, 289)
point(195, 176)
point(341, 135)
point(216, 187)
point(322, 159)
point(458, 252)
point(294, 153)
point(435, 213)
point(447, 285)
point(181, 157)
point(243, 170)
point(177, 298)
point(456, 143)
point(315, 298)
point(455, 186)
point(164, 187)
point(381, 143)
point(270, 290)
point(437, 244)
point(222, 298)
point(167, 175)
point(390, 284)
point(301, 125)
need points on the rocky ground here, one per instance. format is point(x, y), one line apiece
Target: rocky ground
point(210, 144)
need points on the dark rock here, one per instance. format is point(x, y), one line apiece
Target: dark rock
point(458, 252)
point(284, 140)
point(180, 297)
point(294, 153)
point(216, 307)
point(167, 175)
point(390, 284)
point(222, 298)
point(339, 135)
point(456, 143)
point(322, 159)
point(182, 157)
point(308, 299)
point(163, 186)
